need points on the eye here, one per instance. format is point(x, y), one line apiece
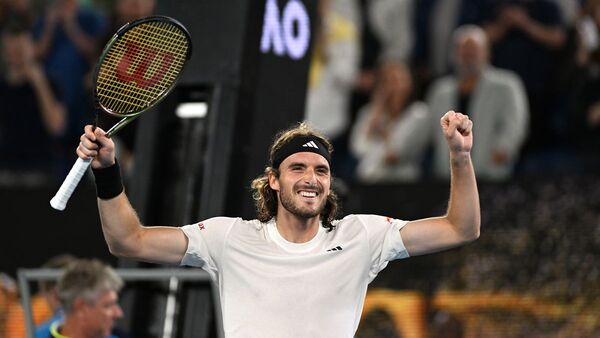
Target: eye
point(322, 171)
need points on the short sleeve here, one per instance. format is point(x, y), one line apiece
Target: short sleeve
point(206, 240)
point(385, 241)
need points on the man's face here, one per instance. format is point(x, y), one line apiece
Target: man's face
point(303, 184)
point(397, 85)
point(18, 49)
point(100, 316)
point(471, 56)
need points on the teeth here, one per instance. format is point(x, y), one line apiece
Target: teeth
point(308, 194)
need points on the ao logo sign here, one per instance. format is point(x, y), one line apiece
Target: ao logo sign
point(278, 32)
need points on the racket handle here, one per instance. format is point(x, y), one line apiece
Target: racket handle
point(59, 201)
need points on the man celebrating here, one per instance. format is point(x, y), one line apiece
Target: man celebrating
point(295, 271)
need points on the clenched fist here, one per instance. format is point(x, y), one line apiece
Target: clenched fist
point(458, 130)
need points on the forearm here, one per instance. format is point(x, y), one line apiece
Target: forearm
point(43, 44)
point(463, 207)
point(121, 226)
point(495, 31)
point(122, 229)
point(551, 37)
point(53, 113)
point(83, 42)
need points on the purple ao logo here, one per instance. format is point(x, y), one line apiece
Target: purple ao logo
point(278, 32)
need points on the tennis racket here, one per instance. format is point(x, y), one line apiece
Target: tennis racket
point(137, 68)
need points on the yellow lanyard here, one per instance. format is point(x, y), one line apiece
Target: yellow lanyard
point(54, 330)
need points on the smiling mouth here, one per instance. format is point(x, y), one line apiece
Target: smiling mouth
point(308, 193)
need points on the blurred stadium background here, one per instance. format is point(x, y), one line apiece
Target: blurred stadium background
point(534, 272)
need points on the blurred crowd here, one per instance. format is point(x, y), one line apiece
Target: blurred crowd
point(48, 51)
point(533, 272)
point(525, 71)
point(541, 240)
point(82, 302)
point(383, 72)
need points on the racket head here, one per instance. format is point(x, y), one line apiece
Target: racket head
point(140, 65)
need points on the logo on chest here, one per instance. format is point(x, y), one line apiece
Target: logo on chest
point(337, 248)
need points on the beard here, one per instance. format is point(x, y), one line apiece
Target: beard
point(287, 201)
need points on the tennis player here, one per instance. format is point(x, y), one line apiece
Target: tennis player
point(294, 271)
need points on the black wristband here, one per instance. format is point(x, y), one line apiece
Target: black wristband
point(108, 181)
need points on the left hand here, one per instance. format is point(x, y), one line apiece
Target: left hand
point(458, 131)
point(515, 16)
point(33, 72)
point(31, 68)
point(67, 11)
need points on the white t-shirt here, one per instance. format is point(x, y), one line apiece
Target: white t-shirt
point(270, 287)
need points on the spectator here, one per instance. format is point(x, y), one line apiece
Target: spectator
point(45, 304)
point(33, 118)
point(495, 99)
point(570, 10)
point(391, 21)
point(8, 296)
point(16, 10)
point(129, 10)
point(88, 291)
point(390, 134)
point(68, 38)
point(434, 22)
point(585, 122)
point(526, 36)
point(333, 69)
point(49, 290)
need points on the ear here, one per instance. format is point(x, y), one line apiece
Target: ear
point(52, 298)
point(273, 180)
point(79, 304)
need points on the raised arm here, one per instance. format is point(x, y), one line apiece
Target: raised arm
point(551, 36)
point(123, 231)
point(462, 220)
point(53, 112)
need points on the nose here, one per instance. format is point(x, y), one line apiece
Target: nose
point(118, 312)
point(310, 175)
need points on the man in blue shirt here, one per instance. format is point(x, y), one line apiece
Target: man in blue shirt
point(88, 292)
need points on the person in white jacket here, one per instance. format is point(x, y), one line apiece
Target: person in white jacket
point(390, 135)
point(494, 99)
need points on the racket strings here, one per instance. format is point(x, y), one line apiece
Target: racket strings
point(139, 57)
point(141, 66)
point(142, 96)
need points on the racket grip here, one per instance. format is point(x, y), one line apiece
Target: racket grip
point(59, 201)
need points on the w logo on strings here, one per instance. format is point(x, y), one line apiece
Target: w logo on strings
point(147, 56)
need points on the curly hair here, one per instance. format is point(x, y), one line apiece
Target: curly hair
point(265, 198)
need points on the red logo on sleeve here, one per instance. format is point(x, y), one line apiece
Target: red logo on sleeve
point(389, 220)
point(201, 226)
